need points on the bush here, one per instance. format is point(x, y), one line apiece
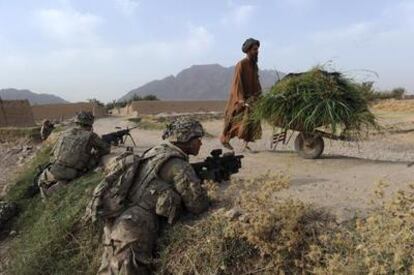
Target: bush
point(279, 236)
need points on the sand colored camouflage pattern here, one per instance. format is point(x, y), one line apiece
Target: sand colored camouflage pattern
point(163, 184)
point(110, 194)
point(85, 118)
point(72, 157)
point(183, 130)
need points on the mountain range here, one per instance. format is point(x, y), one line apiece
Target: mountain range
point(34, 98)
point(199, 82)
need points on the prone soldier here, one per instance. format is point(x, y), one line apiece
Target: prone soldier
point(46, 129)
point(155, 191)
point(77, 150)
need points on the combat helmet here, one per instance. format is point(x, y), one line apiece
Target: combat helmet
point(85, 118)
point(183, 130)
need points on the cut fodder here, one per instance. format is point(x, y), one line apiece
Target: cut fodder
point(316, 98)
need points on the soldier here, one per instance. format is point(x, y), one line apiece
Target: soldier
point(159, 189)
point(46, 129)
point(77, 150)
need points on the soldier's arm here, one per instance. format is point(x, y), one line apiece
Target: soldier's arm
point(187, 184)
point(102, 148)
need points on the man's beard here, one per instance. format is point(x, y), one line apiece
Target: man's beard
point(255, 58)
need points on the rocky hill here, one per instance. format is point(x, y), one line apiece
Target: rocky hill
point(199, 82)
point(34, 98)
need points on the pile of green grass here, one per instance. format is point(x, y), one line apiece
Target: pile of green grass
point(51, 239)
point(313, 99)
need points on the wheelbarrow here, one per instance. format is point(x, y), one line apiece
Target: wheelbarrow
point(308, 145)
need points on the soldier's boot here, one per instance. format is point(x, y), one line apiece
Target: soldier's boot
point(125, 263)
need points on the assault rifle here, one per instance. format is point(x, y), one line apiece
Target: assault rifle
point(118, 137)
point(218, 167)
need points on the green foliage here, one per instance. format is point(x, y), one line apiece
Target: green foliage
point(96, 101)
point(121, 104)
point(398, 93)
point(372, 95)
point(316, 99)
point(51, 239)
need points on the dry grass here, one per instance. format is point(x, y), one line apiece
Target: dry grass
point(14, 134)
point(393, 105)
point(273, 236)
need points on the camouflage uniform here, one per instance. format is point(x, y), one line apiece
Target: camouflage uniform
point(163, 186)
point(76, 151)
point(46, 129)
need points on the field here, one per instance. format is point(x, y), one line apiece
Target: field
point(325, 216)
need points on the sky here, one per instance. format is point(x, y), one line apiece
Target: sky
point(81, 49)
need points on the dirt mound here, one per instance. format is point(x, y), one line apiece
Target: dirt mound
point(14, 157)
point(393, 105)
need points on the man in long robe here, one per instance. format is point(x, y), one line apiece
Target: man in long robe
point(245, 90)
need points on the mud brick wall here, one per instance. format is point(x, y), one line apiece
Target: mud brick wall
point(65, 111)
point(156, 107)
point(16, 113)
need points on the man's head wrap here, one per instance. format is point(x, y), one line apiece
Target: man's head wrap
point(183, 130)
point(249, 43)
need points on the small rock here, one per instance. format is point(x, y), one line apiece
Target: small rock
point(12, 233)
point(244, 219)
point(233, 213)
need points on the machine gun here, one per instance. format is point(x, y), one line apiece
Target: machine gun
point(118, 137)
point(218, 167)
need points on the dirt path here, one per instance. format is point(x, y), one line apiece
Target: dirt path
point(343, 180)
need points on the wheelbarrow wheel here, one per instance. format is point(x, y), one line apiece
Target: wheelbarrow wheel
point(309, 146)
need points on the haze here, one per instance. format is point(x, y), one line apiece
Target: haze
point(102, 49)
